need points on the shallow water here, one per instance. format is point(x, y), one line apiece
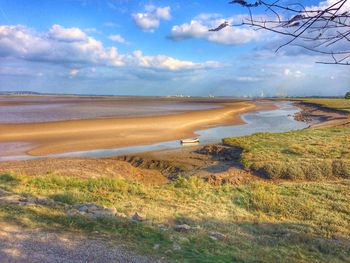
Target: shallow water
point(279, 120)
point(48, 110)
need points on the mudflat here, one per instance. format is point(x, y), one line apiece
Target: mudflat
point(42, 138)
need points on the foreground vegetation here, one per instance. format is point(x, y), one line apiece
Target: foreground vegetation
point(297, 155)
point(261, 221)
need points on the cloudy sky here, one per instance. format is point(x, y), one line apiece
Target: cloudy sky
point(127, 47)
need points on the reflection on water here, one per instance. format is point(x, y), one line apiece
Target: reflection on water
point(278, 120)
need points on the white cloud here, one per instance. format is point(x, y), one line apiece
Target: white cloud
point(150, 19)
point(248, 78)
point(60, 33)
point(72, 47)
point(73, 72)
point(200, 25)
point(293, 73)
point(118, 38)
point(335, 3)
point(165, 62)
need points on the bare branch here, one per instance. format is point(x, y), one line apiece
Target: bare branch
point(324, 29)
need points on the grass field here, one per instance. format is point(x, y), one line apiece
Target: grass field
point(339, 104)
point(305, 154)
point(261, 221)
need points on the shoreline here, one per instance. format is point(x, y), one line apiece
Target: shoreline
point(318, 116)
point(91, 134)
point(153, 167)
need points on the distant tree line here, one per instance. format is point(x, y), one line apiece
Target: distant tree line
point(347, 95)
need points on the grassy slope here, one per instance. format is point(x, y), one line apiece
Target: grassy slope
point(339, 104)
point(264, 222)
point(304, 154)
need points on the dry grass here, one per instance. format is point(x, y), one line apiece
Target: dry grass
point(265, 222)
point(306, 154)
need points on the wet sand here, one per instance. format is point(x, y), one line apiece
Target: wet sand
point(88, 134)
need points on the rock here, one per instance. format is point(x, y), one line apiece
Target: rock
point(83, 208)
point(184, 240)
point(91, 210)
point(101, 213)
point(176, 247)
point(3, 192)
point(213, 238)
point(15, 199)
point(217, 235)
point(156, 246)
point(44, 201)
point(118, 214)
point(182, 228)
point(72, 212)
point(138, 217)
point(162, 227)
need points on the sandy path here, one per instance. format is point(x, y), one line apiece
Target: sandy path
point(77, 135)
point(18, 244)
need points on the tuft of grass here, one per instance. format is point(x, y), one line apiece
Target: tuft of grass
point(297, 155)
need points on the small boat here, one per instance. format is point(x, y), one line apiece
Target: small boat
point(190, 140)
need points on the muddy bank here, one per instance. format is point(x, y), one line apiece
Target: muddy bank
point(318, 116)
point(216, 164)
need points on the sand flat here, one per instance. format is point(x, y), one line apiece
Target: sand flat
point(89, 134)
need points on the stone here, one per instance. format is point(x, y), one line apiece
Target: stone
point(176, 246)
point(83, 208)
point(217, 235)
point(3, 192)
point(92, 211)
point(182, 228)
point(93, 207)
point(138, 217)
point(119, 214)
point(183, 240)
point(44, 201)
point(156, 246)
point(72, 212)
point(213, 238)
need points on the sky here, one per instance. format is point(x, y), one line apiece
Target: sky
point(127, 47)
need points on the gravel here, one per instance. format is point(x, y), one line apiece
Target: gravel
point(18, 244)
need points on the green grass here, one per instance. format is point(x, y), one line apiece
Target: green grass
point(263, 221)
point(305, 154)
point(304, 219)
point(339, 104)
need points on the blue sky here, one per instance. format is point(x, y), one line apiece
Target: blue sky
point(127, 47)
